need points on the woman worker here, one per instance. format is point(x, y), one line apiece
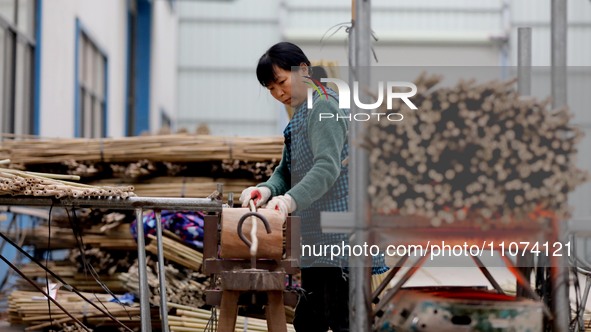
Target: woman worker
point(312, 176)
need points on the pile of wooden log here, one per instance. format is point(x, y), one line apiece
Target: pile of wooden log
point(473, 149)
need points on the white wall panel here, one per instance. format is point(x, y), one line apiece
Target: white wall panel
point(219, 47)
point(227, 97)
point(164, 62)
point(234, 9)
point(230, 45)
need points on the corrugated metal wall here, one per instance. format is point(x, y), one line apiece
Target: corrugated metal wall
point(219, 46)
point(422, 32)
point(536, 14)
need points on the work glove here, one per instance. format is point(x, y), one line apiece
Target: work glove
point(260, 196)
point(285, 204)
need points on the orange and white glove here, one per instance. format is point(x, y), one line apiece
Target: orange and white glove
point(260, 196)
point(285, 204)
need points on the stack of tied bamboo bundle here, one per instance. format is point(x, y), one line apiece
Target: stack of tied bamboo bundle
point(170, 148)
point(62, 237)
point(183, 286)
point(14, 182)
point(82, 281)
point(32, 309)
point(190, 319)
point(473, 151)
point(176, 251)
point(169, 186)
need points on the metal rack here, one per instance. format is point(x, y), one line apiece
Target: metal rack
point(138, 204)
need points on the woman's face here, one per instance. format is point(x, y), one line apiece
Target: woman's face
point(289, 88)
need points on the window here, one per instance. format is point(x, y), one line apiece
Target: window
point(17, 64)
point(91, 107)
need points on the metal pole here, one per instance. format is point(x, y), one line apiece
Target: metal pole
point(130, 203)
point(161, 273)
point(360, 290)
point(146, 320)
point(524, 61)
point(559, 269)
point(558, 49)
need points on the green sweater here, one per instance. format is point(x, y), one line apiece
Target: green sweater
point(326, 139)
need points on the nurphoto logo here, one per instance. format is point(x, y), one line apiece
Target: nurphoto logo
point(344, 92)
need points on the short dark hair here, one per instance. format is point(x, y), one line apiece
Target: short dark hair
point(318, 73)
point(283, 55)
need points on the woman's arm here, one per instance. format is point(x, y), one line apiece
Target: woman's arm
point(327, 138)
point(280, 180)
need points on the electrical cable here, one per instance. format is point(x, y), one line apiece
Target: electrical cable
point(14, 268)
point(87, 266)
point(47, 260)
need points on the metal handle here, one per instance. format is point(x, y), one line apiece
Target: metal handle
point(241, 221)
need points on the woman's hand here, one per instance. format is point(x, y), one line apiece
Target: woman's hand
point(260, 196)
point(285, 204)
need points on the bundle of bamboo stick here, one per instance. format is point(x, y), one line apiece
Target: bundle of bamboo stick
point(73, 276)
point(260, 170)
point(14, 182)
point(32, 309)
point(473, 151)
point(171, 148)
point(177, 252)
point(134, 170)
point(190, 319)
point(182, 286)
point(63, 238)
point(180, 186)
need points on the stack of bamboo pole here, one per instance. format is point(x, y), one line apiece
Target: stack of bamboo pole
point(177, 252)
point(14, 182)
point(259, 170)
point(82, 169)
point(473, 151)
point(171, 148)
point(134, 170)
point(189, 319)
point(73, 277)
point(180, 186)
point(63, 238)
point(182, 286)
point(32, 309)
